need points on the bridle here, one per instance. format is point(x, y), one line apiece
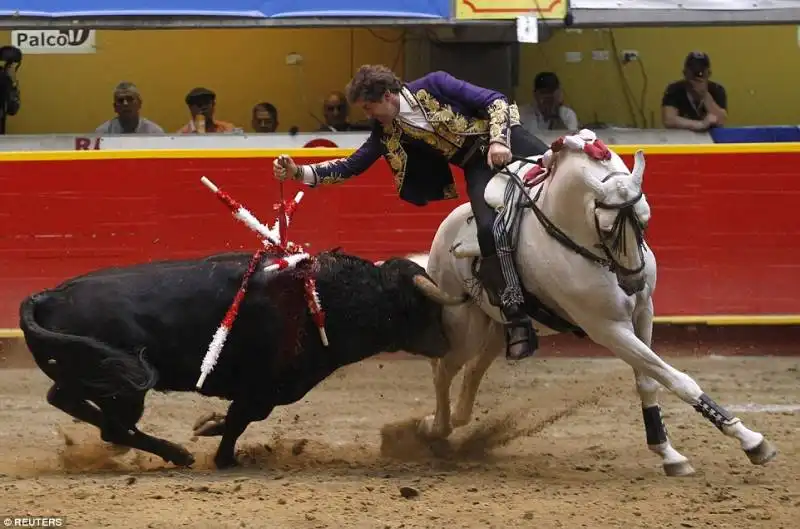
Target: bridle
point(625, 218)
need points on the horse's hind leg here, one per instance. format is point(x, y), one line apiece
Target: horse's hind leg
point(120, 415)
point(674, 463)
point(623, 342)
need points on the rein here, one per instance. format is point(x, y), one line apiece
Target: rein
point(625, 217)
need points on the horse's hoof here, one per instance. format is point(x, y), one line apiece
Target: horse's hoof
point(762, 454)
point(678, 470)
point(427, 429)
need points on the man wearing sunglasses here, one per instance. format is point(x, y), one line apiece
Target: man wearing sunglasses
point(335, 109)
point(128, 106)
point(695, 103)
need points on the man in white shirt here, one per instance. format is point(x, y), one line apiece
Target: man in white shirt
point(548, 112)
point(128, 106)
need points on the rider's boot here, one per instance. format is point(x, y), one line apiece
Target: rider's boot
point(521, 340)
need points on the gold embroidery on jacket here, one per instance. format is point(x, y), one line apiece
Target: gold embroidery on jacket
point(332, 178)
point(455, 124)
point(513, 112)
point(499, 122)
point(435, 139)
point(395, 154)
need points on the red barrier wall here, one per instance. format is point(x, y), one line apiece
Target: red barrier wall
point(723, 229)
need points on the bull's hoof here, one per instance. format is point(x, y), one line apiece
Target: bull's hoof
point(681, 469)
point(203, 420)
point(213, 427)
point(181, 458)
point(762, 454)
point(223, 463)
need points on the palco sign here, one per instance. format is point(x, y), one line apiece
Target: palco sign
point(42, 41)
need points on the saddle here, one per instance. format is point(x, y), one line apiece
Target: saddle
point(508, 198)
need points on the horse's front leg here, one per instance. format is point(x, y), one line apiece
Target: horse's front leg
point(491, 341)
point(457, 324)
point(673, 462)
point(620, 339)
point(438, 426)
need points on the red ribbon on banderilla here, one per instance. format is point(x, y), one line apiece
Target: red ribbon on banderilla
point(273, 240)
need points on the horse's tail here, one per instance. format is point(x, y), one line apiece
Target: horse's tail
point(83, 360)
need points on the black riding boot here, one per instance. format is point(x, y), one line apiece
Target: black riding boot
point(521, 340)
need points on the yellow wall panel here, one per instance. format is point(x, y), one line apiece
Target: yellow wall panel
point(73, 93)
point(759, 67)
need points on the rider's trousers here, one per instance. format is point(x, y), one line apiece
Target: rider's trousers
point(492, 236)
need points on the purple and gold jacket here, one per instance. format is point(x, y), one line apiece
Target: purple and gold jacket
point(460, 113)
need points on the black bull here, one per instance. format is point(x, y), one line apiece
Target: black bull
point(107, 337)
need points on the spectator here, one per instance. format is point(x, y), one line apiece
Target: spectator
point(548, 112)
point(202, 104)
point(128, 106)
point(694, 103)
point(265, 118)
point(335, 109)
point(11, 57)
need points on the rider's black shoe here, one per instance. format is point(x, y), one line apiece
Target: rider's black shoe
point(521, 339)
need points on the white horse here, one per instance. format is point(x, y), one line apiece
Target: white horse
point(581, 252)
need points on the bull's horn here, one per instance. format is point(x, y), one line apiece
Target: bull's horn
point(431, 291)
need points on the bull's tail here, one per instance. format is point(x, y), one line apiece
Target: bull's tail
point(117, 372)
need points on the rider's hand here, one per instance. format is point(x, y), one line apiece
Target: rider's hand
point(284, 167)
point(499, 155)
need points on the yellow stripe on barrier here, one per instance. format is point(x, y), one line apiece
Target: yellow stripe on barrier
point(732, 319)
point(139, 154)
point(10, 333)
point(719, 320)
point(326, 152)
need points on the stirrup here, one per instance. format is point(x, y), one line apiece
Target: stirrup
point(531, 338)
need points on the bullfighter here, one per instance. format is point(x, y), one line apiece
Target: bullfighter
point(421, 127)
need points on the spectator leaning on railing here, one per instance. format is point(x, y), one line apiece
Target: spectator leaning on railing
point(11, 58)
point(694, 103)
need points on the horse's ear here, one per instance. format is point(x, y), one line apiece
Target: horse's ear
point(594, 184)
point(638, 167)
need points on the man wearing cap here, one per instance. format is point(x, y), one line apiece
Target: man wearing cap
point(548, 111)
point(202, 104)
point(128, 106)
point(694, 103)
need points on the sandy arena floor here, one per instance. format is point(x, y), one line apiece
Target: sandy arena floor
point(554, 443)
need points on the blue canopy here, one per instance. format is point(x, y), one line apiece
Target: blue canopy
point(227, 8)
